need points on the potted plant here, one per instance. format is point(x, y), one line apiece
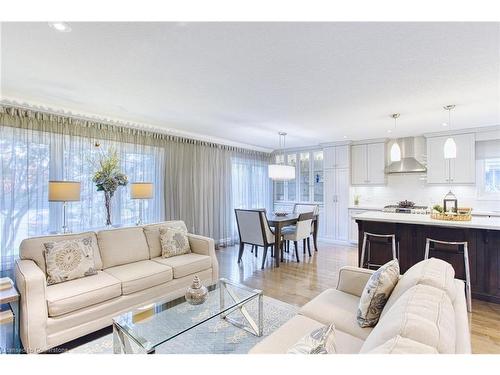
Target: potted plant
point(108, 178)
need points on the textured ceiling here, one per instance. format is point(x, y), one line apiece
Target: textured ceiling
point(244, 82)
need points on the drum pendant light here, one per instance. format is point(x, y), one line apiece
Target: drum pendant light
point(281, 171)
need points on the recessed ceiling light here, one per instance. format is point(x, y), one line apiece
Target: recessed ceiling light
point(389, 131)
point(60, 26)
point(444, 124)
point(345, 136)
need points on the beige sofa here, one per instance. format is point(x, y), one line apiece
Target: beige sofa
point(130, 273)
point(426, 313)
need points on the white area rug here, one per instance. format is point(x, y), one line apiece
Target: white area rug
point(213, 337)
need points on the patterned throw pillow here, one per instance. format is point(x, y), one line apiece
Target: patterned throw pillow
point(376, 293)
point(69, 260)
point(319, 341)
point(174, 241)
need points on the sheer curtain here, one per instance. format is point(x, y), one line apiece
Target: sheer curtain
point(195, 181)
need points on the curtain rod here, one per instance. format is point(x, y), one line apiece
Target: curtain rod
point(122, 124)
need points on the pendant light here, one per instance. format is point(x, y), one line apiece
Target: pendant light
point(395, 149)
point(281, 172)
point(450, 147)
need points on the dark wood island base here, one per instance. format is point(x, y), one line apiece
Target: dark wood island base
point(483, 247)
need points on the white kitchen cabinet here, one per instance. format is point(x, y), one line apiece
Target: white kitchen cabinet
point(368, 163)
point(336, 204)
point(336, 157)
point(353, 226)
point(461, 170)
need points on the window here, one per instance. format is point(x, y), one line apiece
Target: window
point(304, 176)
point(488, 169)
point(489, 178)
point(29, 159)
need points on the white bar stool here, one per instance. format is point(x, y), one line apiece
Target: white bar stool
point(366, 240)
point(466, 265)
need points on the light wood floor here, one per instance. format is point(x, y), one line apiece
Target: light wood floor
point(298, 283)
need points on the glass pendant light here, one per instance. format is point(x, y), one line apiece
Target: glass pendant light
point(281, 172)
point(395, 149)
point(450, 147)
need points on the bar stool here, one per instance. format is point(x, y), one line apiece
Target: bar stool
point(468, 294)
point(389, 238)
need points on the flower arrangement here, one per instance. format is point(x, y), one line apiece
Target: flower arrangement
point(108, 178)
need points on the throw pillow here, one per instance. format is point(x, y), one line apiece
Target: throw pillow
point(319, 341)
point(69, 260)
point(174, 242)
point(376, 293)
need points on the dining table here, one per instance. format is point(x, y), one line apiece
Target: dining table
point(278, 222)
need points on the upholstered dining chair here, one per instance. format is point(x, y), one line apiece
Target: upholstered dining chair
point(302, 231)
point(299, 208)
point(253, 229)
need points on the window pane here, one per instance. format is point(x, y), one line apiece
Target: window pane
point(492, 176)
point(279, 186)
point(291, 184)
point(304, 177)
point(318, 176)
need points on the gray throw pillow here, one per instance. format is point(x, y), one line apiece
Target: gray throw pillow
point(376, 293)
point(319, 341)
point(174, 241)
point(69, 259)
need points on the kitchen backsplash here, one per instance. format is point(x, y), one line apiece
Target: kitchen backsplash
point(414, 188)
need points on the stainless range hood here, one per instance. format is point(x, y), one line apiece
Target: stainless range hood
point(412, 156)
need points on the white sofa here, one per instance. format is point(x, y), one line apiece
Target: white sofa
point(131, 273)
point(426, 313)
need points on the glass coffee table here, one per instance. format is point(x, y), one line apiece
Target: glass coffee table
point(142, 330)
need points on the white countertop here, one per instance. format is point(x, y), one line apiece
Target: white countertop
point(366, 207)
point(479, 222)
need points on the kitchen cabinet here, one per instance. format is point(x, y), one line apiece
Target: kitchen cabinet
point(353, 226)
point(336, 157)
point(368, 164)
point(336, 204)
point(461, 170)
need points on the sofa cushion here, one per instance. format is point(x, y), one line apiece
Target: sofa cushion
point(402, 345)
point(122, 246)
point(33, 248)
point(140, 275)
point(433, 272)
point(152, 233)
point(424, 314)
point(289, 333)
point(376, 293)
point(77, 294)
point(69, 259)
point(334, 306)
point(187, 264)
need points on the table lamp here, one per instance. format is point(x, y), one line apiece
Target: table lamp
point(141, 191)
point(64, 191)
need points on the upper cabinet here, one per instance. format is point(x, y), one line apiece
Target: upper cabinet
point(368, 163)
point(336, 156)
point(461, 170)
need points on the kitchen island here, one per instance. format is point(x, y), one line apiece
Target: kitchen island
point(481, 233)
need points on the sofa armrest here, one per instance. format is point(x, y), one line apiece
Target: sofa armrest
point(352, 280)
point(205, 246)
point(31, 283)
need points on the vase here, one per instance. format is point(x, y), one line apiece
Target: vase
point(197, 293)
point(107, 202)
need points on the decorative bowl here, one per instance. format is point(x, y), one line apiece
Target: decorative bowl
point(281, 213)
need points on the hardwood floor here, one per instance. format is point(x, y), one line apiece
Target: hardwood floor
point(297, 283)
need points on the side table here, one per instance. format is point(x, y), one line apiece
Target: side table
point(11, 297)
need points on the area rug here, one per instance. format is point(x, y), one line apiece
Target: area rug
point(216, 336)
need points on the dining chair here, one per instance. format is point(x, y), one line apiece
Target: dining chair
point(299, 208)
point(253, 229)
point(302, 231)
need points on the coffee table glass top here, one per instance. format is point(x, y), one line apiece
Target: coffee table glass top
point(154, 324)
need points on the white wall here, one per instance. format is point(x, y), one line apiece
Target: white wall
point(414, 188)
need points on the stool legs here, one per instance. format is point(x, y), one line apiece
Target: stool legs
point(366, 242)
